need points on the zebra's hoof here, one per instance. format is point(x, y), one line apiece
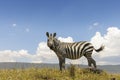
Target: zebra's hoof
point(94, 70)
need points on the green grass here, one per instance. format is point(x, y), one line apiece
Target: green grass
point(71, 73)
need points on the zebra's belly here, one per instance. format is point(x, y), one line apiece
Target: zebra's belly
point(73, 58)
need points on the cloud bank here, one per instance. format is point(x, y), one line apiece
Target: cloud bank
point(110, 55)
point(111, 40)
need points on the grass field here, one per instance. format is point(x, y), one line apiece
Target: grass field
point(71, 73)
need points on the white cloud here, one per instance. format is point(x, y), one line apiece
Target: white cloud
point(94, 25)
point(111, 40)
point(13, 56)
point(14, 25)
point(27, 30)
point(110, 55)
point(43, 54)
point(68, 39)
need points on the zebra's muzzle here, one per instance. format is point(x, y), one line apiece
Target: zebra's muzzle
point(51, 47)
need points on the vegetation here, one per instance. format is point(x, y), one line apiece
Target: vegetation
point(72, 73)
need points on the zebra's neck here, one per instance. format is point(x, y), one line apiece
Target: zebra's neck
point(57, 44)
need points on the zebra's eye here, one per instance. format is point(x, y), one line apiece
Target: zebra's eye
point(54, 41)
point(48, 40)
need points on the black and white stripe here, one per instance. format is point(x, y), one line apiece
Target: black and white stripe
point(78, 49)
point(71, 50)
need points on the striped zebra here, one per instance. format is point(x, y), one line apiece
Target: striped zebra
point(73, 50)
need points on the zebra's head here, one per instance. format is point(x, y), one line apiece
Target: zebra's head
point(52, 41)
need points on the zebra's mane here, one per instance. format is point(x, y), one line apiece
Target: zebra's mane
point(57, 41)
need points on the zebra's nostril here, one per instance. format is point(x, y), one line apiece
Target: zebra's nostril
point(51, 47)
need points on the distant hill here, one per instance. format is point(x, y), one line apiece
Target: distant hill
point(20, 65)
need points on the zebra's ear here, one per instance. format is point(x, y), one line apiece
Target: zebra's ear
point(47, 34)
point(54, 34)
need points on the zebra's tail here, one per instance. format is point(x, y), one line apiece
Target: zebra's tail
point(100, 49)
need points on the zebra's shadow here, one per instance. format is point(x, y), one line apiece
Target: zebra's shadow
point(93, 70)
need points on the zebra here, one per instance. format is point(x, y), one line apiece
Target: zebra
point(73, 50)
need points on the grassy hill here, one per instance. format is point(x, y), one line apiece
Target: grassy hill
point(72, 73)
point(20, 65)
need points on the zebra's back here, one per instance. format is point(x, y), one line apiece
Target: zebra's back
point(77, 49)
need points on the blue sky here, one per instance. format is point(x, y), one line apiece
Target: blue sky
point(23, 23)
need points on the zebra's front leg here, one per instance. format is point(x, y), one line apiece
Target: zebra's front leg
point(62, 63)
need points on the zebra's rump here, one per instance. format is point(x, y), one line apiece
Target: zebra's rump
point(78, 49)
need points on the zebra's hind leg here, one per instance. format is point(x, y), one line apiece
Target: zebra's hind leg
point(90, 60)
point(94, 63)
point(89, 63)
